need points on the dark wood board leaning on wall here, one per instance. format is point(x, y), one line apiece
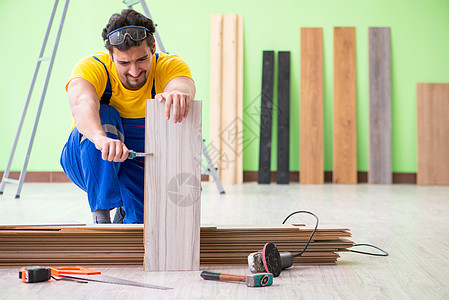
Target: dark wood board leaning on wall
point(266, 117)
point(380, 169)
point(311, 153)
point(283, 109)
point(345, 107)
point(433, 133)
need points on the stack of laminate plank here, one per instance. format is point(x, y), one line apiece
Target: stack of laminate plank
point(123, 245)
point(231, 245)
point(69, 245)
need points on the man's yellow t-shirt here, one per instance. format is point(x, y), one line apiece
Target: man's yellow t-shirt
point(129, 103)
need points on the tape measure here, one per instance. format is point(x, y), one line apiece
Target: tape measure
point(34, 274)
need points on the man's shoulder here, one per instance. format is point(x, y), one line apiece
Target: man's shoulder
point(169, 62)
point(90, 61)
point(101, 55)
point(164, 57)
point(93, 71)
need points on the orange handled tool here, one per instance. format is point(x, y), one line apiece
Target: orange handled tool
point(60, 271)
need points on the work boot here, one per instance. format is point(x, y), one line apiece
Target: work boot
point(119, 215)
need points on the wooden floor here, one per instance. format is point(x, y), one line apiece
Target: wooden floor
point(408, 221)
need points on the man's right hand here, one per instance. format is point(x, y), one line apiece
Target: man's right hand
point(111, 149)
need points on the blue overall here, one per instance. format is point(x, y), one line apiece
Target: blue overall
point(109, 184)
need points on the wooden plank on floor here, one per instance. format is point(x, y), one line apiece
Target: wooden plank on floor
point(213, 145)
point(172, 190)
point(433, 133)
point(311, 154)
point(380, 171)
point(345, 109)
point(266, 116)
point(283, 108)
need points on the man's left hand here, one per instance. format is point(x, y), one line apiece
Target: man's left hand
point(180, 102)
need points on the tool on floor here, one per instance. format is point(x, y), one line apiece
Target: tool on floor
point(32, 274)
point(253, 280)
point(83, 273)
point(269, 259)
point(133, 154)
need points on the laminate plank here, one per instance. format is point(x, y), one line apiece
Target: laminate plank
point(240, 125)
point(172, 190)
point(345, 110)
point(229, 99)
point(380, 170)
point(433, 133)
point(283, 109)
point(214, 144)
point(266, 116)
point(226, 137)
point(311, 154)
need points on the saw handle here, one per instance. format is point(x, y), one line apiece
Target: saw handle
point(58, 271)
point(222, 276)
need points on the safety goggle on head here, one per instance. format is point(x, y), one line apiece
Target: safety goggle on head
point(136, 33)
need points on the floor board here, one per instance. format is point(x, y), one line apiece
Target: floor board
point(408, 221)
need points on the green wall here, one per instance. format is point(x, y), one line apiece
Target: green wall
point(420, 47)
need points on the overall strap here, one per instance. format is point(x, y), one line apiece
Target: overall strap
point(108, 90)
point(153, 90)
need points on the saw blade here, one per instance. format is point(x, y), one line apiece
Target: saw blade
point(115, 280)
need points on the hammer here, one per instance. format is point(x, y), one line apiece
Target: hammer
point(259, 279)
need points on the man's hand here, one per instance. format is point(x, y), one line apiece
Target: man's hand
point(180, 102)
point(178, 92)
point(111, 149)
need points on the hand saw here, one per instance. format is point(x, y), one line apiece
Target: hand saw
point(83, 273)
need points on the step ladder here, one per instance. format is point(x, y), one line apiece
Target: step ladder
point(41, 58)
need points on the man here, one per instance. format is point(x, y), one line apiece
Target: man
point(107, 94)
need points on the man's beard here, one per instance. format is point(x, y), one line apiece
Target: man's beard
point(137, 85)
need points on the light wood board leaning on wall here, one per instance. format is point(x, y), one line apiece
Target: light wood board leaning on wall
point(311, 153)
point(433, 133)
point(172, 189)
point(345, 107)
point(225, 144)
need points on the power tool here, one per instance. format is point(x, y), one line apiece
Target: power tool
point(270, 260)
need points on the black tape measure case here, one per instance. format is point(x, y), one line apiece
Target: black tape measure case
point(34, 274)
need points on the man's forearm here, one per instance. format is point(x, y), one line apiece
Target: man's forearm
point(87, 119)
point(85, 108)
